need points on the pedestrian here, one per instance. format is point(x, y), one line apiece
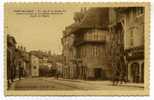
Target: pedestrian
point(123, 77)
point(20, 70)
point(116, 77)
point(57, 75)
point(116, 74)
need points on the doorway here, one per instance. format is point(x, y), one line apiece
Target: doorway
point(135, 72)
point(98, 72)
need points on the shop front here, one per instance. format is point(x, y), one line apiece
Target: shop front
point(135, 61)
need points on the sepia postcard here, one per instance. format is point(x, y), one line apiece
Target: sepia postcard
point(76, 49)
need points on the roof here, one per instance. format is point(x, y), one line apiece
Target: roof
point(38, 54)
point(11, 40)
point(93, 18)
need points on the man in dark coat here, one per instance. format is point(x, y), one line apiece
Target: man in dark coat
point(123, 77)
point(57, 74)
point(116, 75)
point(20, 70)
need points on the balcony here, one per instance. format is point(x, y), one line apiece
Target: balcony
point(82, 42)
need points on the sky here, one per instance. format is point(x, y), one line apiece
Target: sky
point(38, 33)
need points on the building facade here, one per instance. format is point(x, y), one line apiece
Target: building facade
point(116, 39)
point(11, 49)
point(134, 43)
point(127, 27)
point(17, 60)
point(69, 53)
point(22, 60)
point(34, 65)
point(90, 45)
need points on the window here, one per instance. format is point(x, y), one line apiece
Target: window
point(85, 51)
point(92, 51)
point(85, 36)
point(81, 52)
point(140, 10)
point(88, 36)
point(131, 38)
point(131, 33)
point(34, 67)
point(97, 51)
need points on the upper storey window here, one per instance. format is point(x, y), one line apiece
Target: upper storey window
point(140, 10)
point(95, 35)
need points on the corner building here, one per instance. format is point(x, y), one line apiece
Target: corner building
point(132, 29)
point(91, 43)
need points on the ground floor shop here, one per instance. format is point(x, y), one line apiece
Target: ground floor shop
point(135, 64)
point(136, 71)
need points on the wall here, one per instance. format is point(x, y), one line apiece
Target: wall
point(95, 55)
point(134, 29)
point(34, 66)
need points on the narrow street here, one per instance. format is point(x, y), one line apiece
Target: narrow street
point(45, 83)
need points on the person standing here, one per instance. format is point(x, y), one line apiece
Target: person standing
point(20, 70)
point(116, 77)
point(123, 77)
point(116, 74)
point(57, 74)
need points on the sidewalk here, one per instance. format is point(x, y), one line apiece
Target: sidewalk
point(101, 82)
point(51, 83)
point(141, 85)
point(13, 84)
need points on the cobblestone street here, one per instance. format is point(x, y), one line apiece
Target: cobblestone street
point(43, 83)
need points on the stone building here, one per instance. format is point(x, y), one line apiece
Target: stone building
point(47, 62)
point(116, 39)
point(90, 44)
point(11, 49)
point(127, 27)
point(34, 63)
point(134, 42)
point(69, 53)
point(23, 60)
point(26, 59)
point(19, 60)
